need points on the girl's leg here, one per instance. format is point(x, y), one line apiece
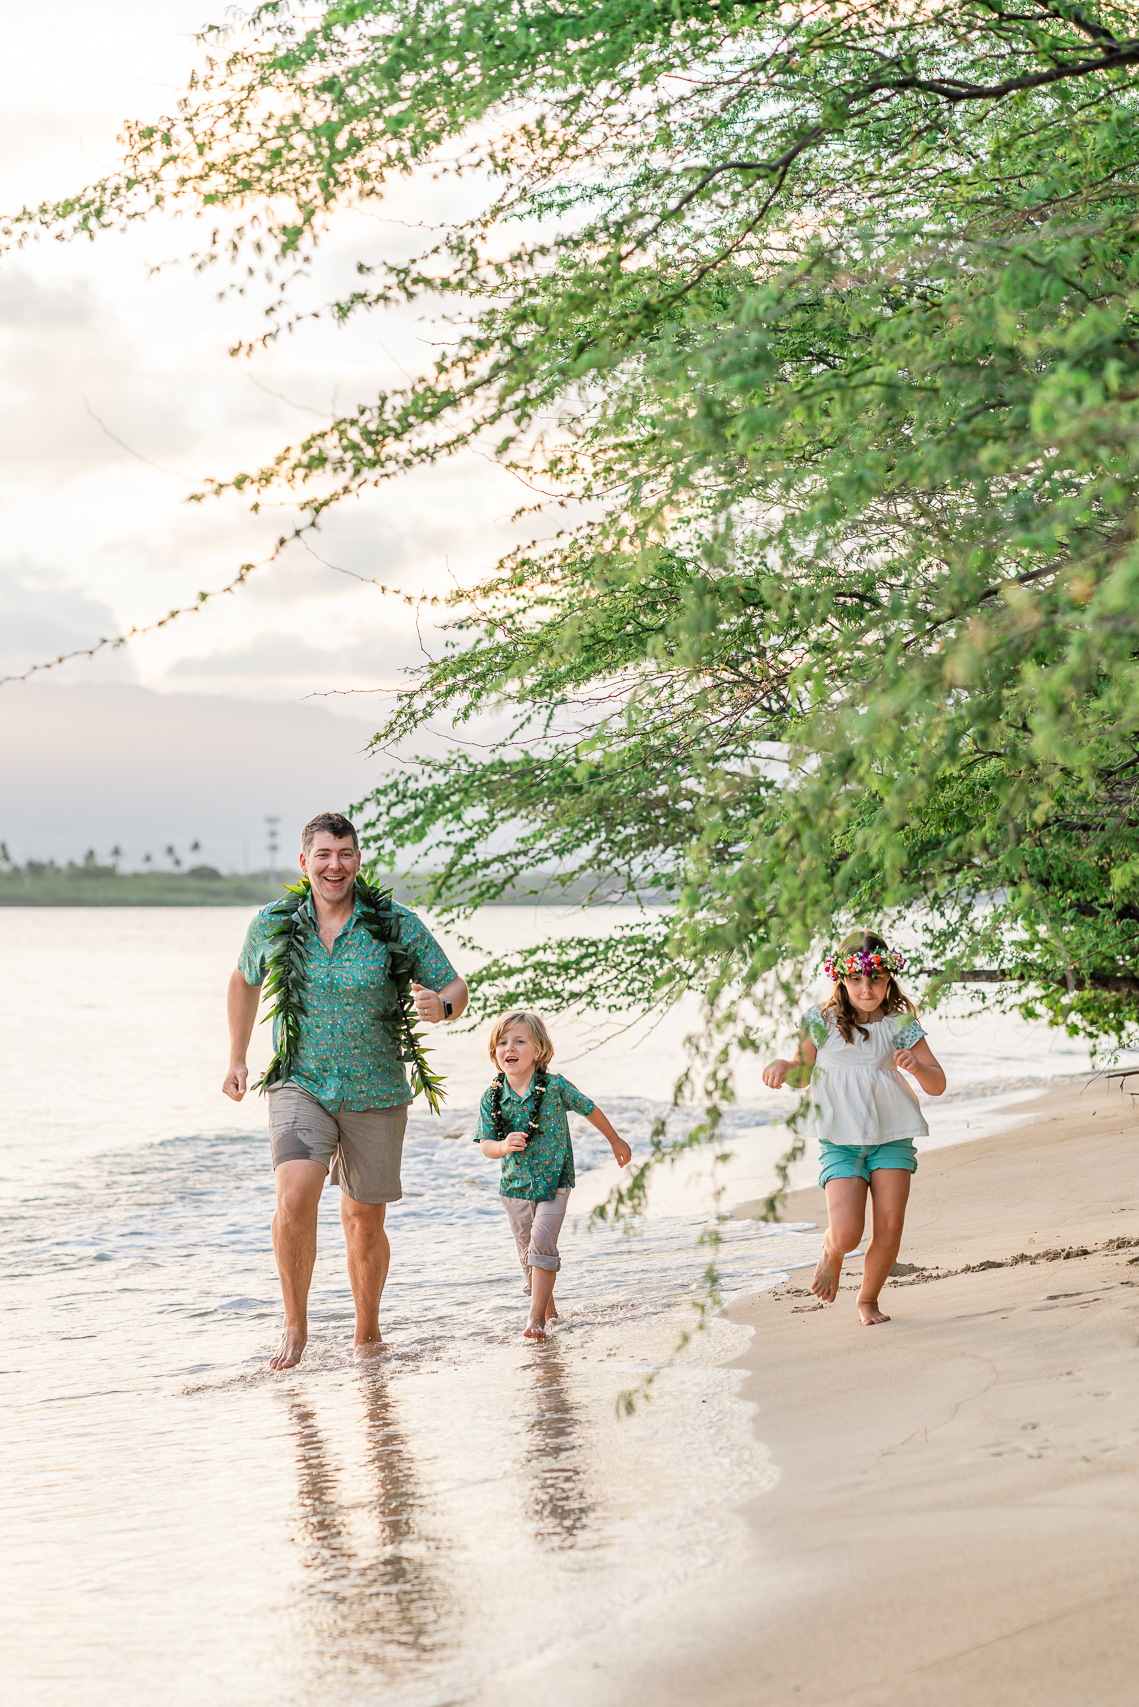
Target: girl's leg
point(846, 1211)
point(889, 1193)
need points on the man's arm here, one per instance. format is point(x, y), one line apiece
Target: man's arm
point(241, 1007)
point(429, 1003)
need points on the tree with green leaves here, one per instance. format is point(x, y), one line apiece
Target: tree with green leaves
point(825, 318)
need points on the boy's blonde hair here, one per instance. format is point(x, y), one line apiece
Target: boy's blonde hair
point(534, 1024)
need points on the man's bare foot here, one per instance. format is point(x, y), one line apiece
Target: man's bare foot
point(288, 1353)
point(869, 1314)
point(366, 1350)
point(534, 1331)
point(825, 1283)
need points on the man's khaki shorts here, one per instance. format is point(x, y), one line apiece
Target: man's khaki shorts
point(360, 1148)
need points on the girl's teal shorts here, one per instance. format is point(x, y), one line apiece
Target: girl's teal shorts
point(849, 1161)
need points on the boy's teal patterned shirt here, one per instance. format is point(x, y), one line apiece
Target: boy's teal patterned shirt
point(348, 1056)
point(546, 1163)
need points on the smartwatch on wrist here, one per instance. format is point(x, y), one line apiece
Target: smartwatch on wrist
point(448, 1010)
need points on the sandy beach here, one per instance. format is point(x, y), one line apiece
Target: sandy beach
point(953, 1515)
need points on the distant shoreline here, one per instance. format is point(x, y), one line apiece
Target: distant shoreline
point(77, 887)
point(102, 886)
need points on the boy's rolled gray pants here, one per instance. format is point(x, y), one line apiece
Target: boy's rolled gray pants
point(536, 1227)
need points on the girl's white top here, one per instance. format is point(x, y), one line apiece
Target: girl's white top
point(857, 1095)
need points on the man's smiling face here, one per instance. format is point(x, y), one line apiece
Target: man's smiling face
point(331, 865)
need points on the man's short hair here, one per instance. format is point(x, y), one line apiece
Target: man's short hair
point(334, 824)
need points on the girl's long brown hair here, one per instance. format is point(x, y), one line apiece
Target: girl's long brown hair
point(842, 1010)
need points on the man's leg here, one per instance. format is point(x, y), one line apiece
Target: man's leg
point(369, 1255)
point(299, 1185)
point(367, 1170)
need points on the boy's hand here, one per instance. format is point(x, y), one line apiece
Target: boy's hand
point(907, 1059)
point(513, 1142)
point(622, 1152)
point(774, 1074)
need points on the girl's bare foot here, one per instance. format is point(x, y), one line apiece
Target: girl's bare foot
point(533, 1331)
point(288, 1353)
point(825, 1283)
point(869, 1314)
point(551, 1313)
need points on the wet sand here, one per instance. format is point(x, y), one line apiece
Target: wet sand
point(954, 1519)
point(959, 1489)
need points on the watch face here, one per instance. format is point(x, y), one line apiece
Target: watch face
point(448, 1010)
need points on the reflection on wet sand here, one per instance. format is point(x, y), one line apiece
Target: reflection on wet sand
point(553, 1458)
point(375, 1600)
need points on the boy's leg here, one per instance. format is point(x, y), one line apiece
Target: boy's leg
point(846, 1212)
point(541, 1297)
point(889, 1193)
point(544, 1261)
point(520, 1214)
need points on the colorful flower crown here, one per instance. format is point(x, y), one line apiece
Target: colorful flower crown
point(864, 963)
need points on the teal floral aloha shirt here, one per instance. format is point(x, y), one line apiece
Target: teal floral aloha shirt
point(546, 1164)
point(348, 1057)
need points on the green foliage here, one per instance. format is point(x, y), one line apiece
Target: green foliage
point(830, 315)
point(286, 967)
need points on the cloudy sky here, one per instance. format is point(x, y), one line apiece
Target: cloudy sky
point(119, 396)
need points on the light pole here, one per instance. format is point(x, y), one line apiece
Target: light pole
point(274, 843)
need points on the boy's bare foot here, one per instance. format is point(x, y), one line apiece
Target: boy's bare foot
point(825, 1283)
point(869, 1314)
point(367, 1349)
point(288, 1353)
point(533, 1331)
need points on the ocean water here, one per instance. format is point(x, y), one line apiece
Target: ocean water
point(182, 1525)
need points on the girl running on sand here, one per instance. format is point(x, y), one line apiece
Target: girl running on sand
point(522, 1119)
point(863, 1113)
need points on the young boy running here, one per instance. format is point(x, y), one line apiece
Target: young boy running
point(522, 1120)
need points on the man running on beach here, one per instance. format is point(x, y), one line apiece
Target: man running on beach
point(344, 1105)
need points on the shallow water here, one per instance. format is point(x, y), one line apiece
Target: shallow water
point(180, 1524)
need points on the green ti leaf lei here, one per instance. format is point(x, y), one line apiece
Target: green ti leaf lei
point(498, 1119)
point(290, 944)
